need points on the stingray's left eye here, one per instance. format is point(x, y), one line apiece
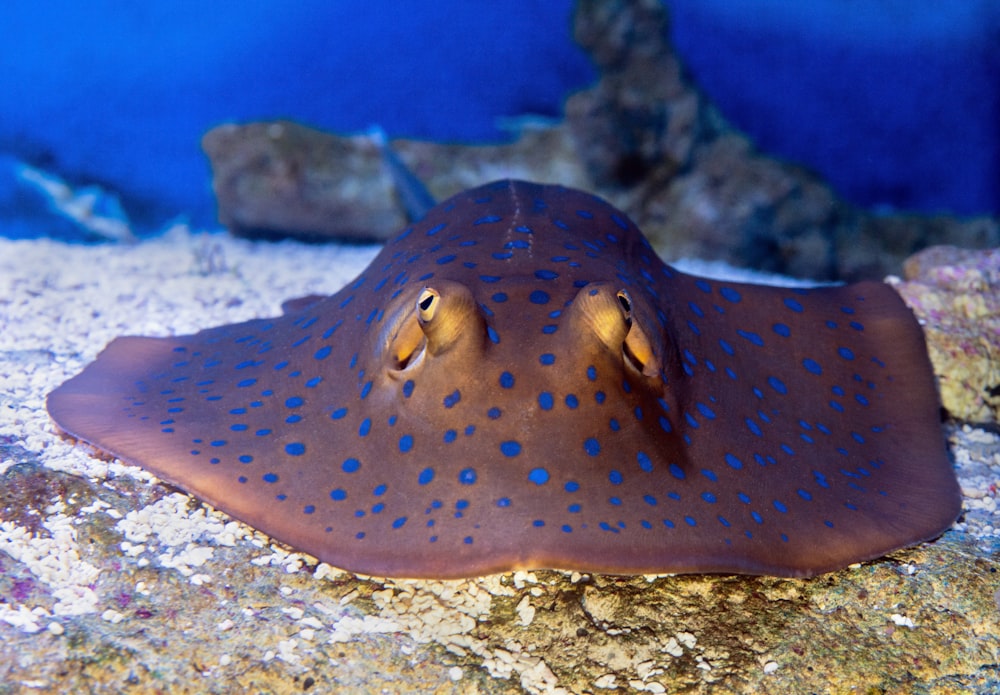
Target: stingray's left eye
point(636, 348)
point(626, 304)
point(427, 304)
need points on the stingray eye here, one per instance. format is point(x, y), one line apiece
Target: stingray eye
point(434, 323)
point(408, 347)
point(427, 304)
point(625, 302)
point(636, 348)
point(614, 318)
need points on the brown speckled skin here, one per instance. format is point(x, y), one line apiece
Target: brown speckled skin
point(517, 381)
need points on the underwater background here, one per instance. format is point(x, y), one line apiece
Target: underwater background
point(763, 141)
point(894, 102)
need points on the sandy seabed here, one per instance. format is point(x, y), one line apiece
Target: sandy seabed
point(60, 304)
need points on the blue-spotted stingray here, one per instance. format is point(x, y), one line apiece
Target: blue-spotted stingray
point(518, 381)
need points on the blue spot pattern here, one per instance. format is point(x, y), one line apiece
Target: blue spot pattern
point(764, 421)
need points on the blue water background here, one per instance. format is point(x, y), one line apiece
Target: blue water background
point(895, 101)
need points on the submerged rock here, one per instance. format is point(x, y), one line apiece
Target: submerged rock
point(643, 137)
point(284, 179)
point(658, 148)
point(956, 295)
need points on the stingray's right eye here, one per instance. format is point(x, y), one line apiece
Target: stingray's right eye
point(625, 302)
point(427, 304)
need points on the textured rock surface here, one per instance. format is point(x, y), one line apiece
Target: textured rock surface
point(644, 138)
point(285, 179)
point(110, 581)
point(956, 294)
point(282, 176)
point(664, 154)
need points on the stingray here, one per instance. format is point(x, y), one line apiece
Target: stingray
point(518, 381)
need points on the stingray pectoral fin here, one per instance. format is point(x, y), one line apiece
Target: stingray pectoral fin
point(92, 408)
point(930, 498)
point(301, 303)
point(817, 410)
